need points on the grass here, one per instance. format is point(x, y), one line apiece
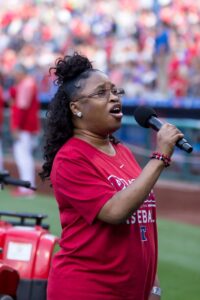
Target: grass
point(179, 260)
point(39, 204)
point(179, 246)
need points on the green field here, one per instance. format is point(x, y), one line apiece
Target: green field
point(179, 247)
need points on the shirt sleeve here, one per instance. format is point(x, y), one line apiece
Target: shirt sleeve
point(80, 184)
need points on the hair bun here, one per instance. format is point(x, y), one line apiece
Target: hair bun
point(70, 67)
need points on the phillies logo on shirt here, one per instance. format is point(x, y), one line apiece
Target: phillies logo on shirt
point(118, 183)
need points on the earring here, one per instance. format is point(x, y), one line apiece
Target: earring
point(79, 114)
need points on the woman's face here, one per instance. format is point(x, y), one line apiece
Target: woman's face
point(100, 105)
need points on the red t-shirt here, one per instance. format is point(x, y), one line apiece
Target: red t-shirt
point(97, 260)
point(25, 107)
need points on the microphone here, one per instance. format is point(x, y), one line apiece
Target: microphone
point(146, 117)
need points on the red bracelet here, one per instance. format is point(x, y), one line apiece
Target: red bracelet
point(166, 159)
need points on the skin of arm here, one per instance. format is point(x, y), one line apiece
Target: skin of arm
point(125, 202)
point(157, 284)
point(154, 297)
point(116, 210)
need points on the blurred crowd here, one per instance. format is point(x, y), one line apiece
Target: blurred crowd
point(151, 48)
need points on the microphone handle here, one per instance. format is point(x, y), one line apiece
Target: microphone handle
point(154, 123)
point(182, 144)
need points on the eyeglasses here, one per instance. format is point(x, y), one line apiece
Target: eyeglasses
point(104, 93)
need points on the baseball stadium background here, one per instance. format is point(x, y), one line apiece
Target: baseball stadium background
point(152, 49)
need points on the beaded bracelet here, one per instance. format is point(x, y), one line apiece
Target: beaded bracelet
point(166, 160)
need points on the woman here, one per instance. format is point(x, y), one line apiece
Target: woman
point(1, 126)
point(107, 207)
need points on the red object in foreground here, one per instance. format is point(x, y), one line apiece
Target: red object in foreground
point(9, 279)
point(25, 256)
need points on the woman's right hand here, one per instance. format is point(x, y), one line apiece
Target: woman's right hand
point(167, 137)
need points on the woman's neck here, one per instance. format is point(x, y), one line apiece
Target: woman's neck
point(100, 142)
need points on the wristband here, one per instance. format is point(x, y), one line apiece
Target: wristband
point(156, 291)
point(166, 159)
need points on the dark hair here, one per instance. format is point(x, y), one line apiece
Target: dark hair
point(59, 127)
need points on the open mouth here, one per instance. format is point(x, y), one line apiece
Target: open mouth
point(116, 111)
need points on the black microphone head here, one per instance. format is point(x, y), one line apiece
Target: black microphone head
point(142, 114)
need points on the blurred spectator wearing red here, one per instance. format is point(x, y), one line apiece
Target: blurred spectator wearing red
point(24, 124)
point(178, 78)
point(1, 126)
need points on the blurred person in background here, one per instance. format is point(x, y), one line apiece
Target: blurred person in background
point(161, 56)
point(24, 125)
point(1, 125)
point(106, 202)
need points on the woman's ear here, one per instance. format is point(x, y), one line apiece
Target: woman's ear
point(74, 107)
